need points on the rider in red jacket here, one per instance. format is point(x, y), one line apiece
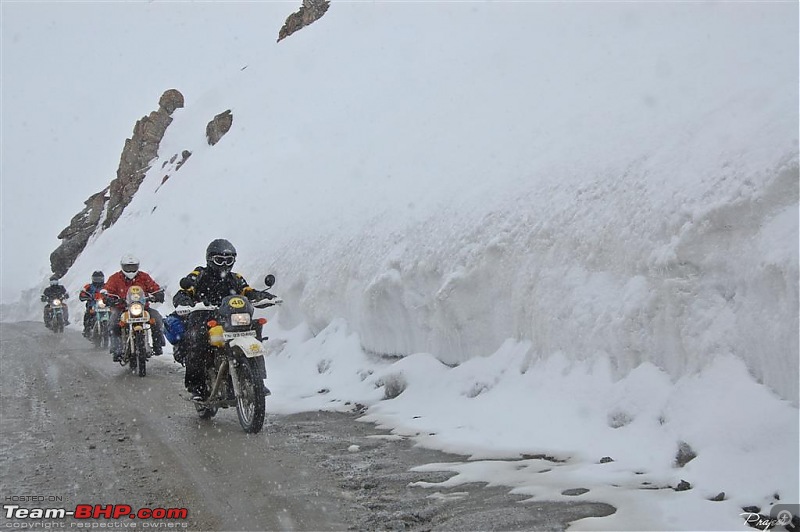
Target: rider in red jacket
point(117, 285)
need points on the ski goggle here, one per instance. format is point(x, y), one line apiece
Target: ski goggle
point(223, 260)
point(130, 268)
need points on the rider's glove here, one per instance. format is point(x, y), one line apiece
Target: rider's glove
point(43, 298)
point(182, 299)
point(157, 297)
point(259, 295)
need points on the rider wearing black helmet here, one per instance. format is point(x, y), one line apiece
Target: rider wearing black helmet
point(209, 284)
point(89, 294)
point(55, 290)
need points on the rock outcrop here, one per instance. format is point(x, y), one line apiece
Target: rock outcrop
point(310, 11)
point(218, 126)
point(105, 207)
point(138, 153)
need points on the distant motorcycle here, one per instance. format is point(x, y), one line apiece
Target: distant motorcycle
point(54, 314)
point(235, 369)
point(136, 334)
point(100, 333)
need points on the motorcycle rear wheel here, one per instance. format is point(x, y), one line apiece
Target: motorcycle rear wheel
point(250, 403)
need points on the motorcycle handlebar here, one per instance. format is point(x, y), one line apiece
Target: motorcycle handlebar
point(264, 303)
point(184, 310)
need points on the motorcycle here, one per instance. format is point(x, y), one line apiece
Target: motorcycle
point(136, 334)
point(54, 314)
point(100, 333)
point(235, 369)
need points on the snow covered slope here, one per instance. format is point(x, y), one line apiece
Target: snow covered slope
point(600, 180)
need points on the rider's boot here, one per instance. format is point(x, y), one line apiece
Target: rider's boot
point(116, 348)
point(199, 393)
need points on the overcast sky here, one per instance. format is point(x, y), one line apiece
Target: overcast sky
point(76, 78)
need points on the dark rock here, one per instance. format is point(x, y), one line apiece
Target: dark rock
point(683, 486)
point(185, 154)
point(751, 509)
point(310, 11)
point(217, 128)
point(685, 454)
point(171, 100)
point(606, 459)
point(719, 497)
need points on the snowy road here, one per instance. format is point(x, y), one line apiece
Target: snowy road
point(78, 429)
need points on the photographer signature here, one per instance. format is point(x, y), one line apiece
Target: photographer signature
point(764, 523)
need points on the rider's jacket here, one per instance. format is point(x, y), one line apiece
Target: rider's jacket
point(211, 287)
point(90, 293)
point(55, 291)
point(118, 285)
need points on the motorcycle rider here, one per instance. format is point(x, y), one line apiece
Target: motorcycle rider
point(117, 287)
point(51, 292)
point(210, 285)
point(90, 294)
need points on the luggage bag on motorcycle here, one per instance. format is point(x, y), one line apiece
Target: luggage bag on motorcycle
point(173, 329)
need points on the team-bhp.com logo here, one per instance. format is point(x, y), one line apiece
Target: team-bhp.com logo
point(94, 511)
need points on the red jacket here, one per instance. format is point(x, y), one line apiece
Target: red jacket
point(87, 294)
point(118, 284)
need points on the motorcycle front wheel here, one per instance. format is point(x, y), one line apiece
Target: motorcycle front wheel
point(140, 352)
point(97, 336)
point(104, 334)
point(58, 324)
point(250, 403)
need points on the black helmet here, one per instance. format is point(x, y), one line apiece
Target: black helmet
point(220, 255)
point(98, 279)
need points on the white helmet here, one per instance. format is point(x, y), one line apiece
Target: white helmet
point(130, 265)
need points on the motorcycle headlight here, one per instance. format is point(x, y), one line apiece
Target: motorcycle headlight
point(240, 319)
point(101, 304)
point(136, 309)
point(56, 302)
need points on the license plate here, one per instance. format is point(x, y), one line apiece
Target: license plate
point(232, 335)
point(137, 320)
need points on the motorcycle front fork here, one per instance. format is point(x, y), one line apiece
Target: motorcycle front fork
point(222, 374)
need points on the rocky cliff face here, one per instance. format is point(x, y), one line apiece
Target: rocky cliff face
point(310, 11)
point(104, 208)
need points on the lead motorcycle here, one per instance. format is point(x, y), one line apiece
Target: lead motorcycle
point(235, 368)
point(136, 329)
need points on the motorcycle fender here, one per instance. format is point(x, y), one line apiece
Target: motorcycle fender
point(249, 345)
